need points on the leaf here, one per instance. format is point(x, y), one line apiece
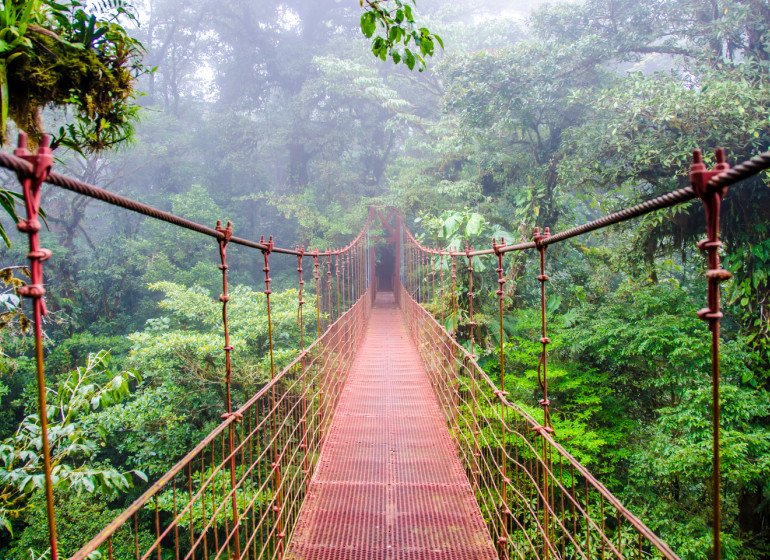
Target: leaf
point(451, 223)
point(3, 96)
point(368, 24)
point(474, 225)
point(552, 304)
point(410, 60)
point(88, 484)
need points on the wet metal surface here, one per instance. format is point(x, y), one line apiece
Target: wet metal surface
point(389, 484)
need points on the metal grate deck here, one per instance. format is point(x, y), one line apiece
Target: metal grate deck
point(389, 484)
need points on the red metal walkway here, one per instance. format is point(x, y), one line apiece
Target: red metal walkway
point(389, 484)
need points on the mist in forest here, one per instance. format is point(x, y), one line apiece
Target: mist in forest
point(280, 118)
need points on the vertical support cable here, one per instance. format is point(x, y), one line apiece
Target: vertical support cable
point(501, 394)
point(471, 325)
point(337, 275)
point(227, 233)
point(420, 268)
point(433, 280)
point(471, 322)
point(344, 273)
point(301, 322)
point(454, 298)
point(41, 167)
point(455, 366)
point(441, 296)
point(317, 279)
point(542, 375)
point(329, 284)
point(354, 276)
point(349, 267)
point(712, 201)
point(423, 277)
point(367, 263)
point(542, 367)
point(276, 460)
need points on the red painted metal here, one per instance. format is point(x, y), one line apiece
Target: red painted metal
point(238, 494)
point(41, 164)
point(537, 500)
point(712, 195)
point(542, 366)
point(389, 484)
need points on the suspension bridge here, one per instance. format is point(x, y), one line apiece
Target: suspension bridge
point(383, 438)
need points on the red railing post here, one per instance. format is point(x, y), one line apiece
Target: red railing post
point(227, 233)
point(501, 394)
point(542, 375)
point(471, 328)
point(276, 457)
point(303, 364)
point(41, 162)
point(712, 201)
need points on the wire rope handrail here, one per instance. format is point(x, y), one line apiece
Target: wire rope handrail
point(417, 278)
point(245, 507)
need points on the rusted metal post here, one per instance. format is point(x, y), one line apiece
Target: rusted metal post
point(501, 394)
point(276, 459)
point(471, 328)
point(712, 202)
point(317, 279)
point(41, 162)
point(303, 362)
point(542, 367)
point(227, 233)
point(542, 375)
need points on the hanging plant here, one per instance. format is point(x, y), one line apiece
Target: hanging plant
point(58, 54)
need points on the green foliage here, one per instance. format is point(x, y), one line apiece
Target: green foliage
point(11, 314)
point(396, 19)
point(456, 229)
point(77, 514)
point(73, 440)
point(187, 344)
point(57, 54)
point(181, 357)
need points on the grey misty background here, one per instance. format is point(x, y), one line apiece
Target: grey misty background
point(273, 115)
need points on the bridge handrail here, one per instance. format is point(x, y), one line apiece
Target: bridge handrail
point(731, 176)
point(142, 500)
point(24, 169)
point(145, 499)
point(352, 271)
point(534, 425)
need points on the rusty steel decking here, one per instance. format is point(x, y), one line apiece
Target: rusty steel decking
point(389, 484)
